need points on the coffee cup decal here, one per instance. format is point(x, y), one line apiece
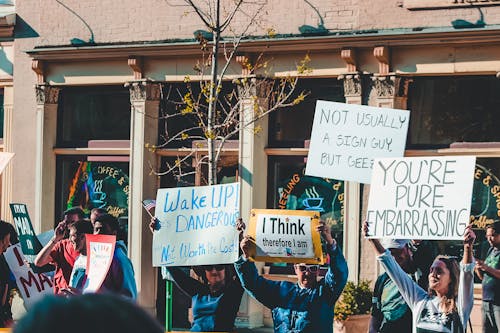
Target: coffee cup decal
point(313, 201)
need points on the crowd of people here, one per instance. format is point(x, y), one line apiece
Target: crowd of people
point(415, 293)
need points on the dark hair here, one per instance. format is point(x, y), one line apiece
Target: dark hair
point(98, 211)
point(449, 300)
point(96, 313)
point(108, 220)
point(82, 227)
point(229, 273)
point(5, 229)
point(14, 238)
point(495, 226)
point(75, 210)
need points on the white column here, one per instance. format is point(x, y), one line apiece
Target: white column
point(8, 92)
point(353, 92)
point(45, 169)
point(253, 173)
point(144, 99)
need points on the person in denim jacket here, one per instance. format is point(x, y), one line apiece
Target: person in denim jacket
point(305, 306)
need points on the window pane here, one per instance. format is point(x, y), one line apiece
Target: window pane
point(292, 126)
point(176, 116)
point(93, 113)
point(93, 185)
point(453, 109)
point(289, 188)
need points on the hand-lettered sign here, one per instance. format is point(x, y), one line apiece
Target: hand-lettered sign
point(197, 225)
point(420, 197)
point(285, 236)
point(32, 286)
point(100, 250)
point(346, 138)
point(29, 241)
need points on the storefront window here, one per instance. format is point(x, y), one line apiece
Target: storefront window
point(93, 113)
point(445, 110)
point(292, 189)
point(94, 185)
point(453, 109)
point(291, 127)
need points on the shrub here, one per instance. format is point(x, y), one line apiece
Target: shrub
point(355, 300)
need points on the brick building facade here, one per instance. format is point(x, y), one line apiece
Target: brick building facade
point(402, 54)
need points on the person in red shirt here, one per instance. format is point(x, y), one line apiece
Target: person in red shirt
point(62, 252)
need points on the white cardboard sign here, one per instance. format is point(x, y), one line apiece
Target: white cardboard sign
point(32, 286)
point(197, 225)
point(346, 138)
point(421, 197)
point(100, 251)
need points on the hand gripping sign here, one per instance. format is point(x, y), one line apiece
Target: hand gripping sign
point(286, 236)
point(420, 197)
point(197, 225)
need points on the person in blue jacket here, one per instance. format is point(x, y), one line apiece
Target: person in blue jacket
point(305, 306)
point(216, 299)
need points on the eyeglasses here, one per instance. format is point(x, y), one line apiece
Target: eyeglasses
point(310, 268)
point(209, 268)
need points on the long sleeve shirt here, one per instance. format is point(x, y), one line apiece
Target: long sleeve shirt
point(297, 309)
point(210, 312)
point(427, 315)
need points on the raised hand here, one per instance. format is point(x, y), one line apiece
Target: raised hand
point(245, 245)
point(325, 232)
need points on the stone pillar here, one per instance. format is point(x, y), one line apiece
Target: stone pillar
point(391, 90)
point(353, 92)
point(353, 88)
point(45, 169)
point(8, 92)
point(253, 181)
point(144, 99)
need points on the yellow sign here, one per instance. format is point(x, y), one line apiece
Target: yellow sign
point(285, 236)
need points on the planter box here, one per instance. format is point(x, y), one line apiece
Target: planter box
point(354, 324)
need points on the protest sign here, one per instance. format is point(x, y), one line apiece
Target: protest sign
point(346, 138)
point(285, 236)
point(420, 197)
point(100, 250)
point(197, 225)
point(30, 244)
point(4, 160)
point(32, 286)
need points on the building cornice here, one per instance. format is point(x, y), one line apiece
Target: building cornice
point(366, 39)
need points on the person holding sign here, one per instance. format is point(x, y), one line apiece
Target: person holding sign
point(447, 305)
point(120, 277)
point(489, 272)
point(216, 300)
point(60, 251)
point(306, 306)
point(390, 313)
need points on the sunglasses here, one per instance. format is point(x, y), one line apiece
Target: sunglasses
point(209, 268)
point(310, 268)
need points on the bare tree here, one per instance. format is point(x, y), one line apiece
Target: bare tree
point(220, 108)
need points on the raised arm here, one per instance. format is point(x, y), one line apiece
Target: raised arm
point(410, 290)
point(336, 277)
point(44, 256)
point(185, 283)
point(270, 293)
point(465, 298)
